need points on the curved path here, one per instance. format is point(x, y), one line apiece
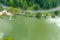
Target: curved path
point(50, 10)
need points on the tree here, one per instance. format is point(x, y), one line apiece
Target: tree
point(10, 9)
point(36, 7)
point(17, 10)
point(38, 15)
point(56, 13)
point(30, 2)
point(24, 4)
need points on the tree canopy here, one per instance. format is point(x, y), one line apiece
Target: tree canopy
point(25, 4)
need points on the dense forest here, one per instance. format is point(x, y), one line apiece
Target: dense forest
point(32, 4)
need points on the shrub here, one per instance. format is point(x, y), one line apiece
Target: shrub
point(38, 15)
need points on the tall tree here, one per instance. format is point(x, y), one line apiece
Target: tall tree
point(45, 4)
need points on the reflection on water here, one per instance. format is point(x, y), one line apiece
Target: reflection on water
point(5, 25)
point(26, 28)
point(55, 20)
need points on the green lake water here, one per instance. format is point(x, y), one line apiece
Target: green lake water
point(28, 28)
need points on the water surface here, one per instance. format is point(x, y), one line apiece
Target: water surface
point(28, 28)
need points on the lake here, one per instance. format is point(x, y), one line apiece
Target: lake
point(29, 28)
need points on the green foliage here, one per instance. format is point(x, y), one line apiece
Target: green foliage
point(17, 10)
point(53, 16)
point(36, 7)
point(45, 16)
point(38, 15)
point(13, 10)
point(1, 8)
point(56, 13)
point(47, 3)
point(10, 9)
point(8, 38)
point(24, 4)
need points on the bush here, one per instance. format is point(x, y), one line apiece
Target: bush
point(14, 10)
point(45, 16)
point(17, 10)
point(36, 7)
point(10, 9)
point(53, 16)
point(38, 15)
point(56, 13)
